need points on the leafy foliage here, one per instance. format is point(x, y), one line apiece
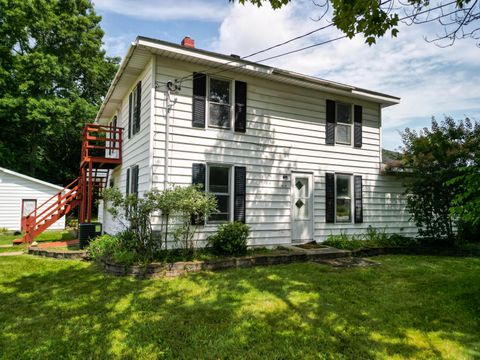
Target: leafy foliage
point(438, 158)
point(112, 248)
point(53, 74)
point(180, 204)
point(230, 239)
point(372, 238)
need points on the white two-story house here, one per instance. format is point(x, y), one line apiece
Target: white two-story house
point(295, 157)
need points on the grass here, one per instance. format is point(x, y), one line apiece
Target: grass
point(13, 248)
point(408, 307)
point(49, 235)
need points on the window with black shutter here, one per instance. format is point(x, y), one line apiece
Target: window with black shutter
point(341, 205)
point(216, 103)
point(344, 121)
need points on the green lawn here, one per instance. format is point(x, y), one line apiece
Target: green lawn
point(408, 307)
point(49, 235)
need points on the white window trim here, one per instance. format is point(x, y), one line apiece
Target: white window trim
point(351, 124)
point(352, 195)
point(230, 190)
point(231, 100)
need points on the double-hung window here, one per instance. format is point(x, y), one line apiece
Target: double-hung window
point(219, 184)
point(343, 128)
point(134, 110)
point(220, 103)
point(343, 198)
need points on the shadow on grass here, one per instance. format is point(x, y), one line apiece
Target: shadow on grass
point(413, 306)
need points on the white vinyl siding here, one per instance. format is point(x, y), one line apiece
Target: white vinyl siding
point(285, 133)
point(12, 190)
point(136, 150)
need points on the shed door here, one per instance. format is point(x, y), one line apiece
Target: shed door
point(302, 207)
point(28, 206)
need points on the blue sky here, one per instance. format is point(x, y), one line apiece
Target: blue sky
point(431, 81)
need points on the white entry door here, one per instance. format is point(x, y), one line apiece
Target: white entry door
point(302, 207)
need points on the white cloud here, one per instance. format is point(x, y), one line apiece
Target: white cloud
point(117, 45)
point(166, 9)
point(430, 80)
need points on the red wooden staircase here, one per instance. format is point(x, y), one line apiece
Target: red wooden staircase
point(101, 151)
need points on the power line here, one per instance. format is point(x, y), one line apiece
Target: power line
point(205, 72)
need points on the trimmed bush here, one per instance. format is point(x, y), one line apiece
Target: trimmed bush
point(230, 239)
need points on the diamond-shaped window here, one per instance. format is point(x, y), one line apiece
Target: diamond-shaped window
point(299, 184)
point(299, 203)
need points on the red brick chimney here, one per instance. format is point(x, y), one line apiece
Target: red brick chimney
point(187, 42)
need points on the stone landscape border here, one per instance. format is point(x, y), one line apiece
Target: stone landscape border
point(154, 270)
point(58, 254)
point(294, 255)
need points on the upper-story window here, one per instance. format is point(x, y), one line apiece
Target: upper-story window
point(344, 123)
point(134, 110)
point(219, 98)
point(343, 128)
point(219, 103)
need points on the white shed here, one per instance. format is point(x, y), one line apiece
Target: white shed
point(21, 194)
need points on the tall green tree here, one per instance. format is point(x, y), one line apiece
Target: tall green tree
point(437, 156)
point(53, 74)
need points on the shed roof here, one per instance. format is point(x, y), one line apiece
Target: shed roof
point(29, 178)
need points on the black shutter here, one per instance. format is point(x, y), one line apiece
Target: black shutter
point(127, 182)
point(240, 193)
point(357, 126)
point(358, 189)
point(199, 97)
point(198, 175)
point(130, 110)
point(135, 180)
point(138, 107)
point(330, 197)
point(330, 125)
point(198, 178)
point(240, 106)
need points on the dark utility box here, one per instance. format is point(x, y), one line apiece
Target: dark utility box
point(88, 231)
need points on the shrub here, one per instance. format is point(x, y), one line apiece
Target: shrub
point(344, 242)
point(372, 238)
point(230, 239)
point(103, 247)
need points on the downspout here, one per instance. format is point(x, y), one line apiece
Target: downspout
point(167, 137)
point(152, 119)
